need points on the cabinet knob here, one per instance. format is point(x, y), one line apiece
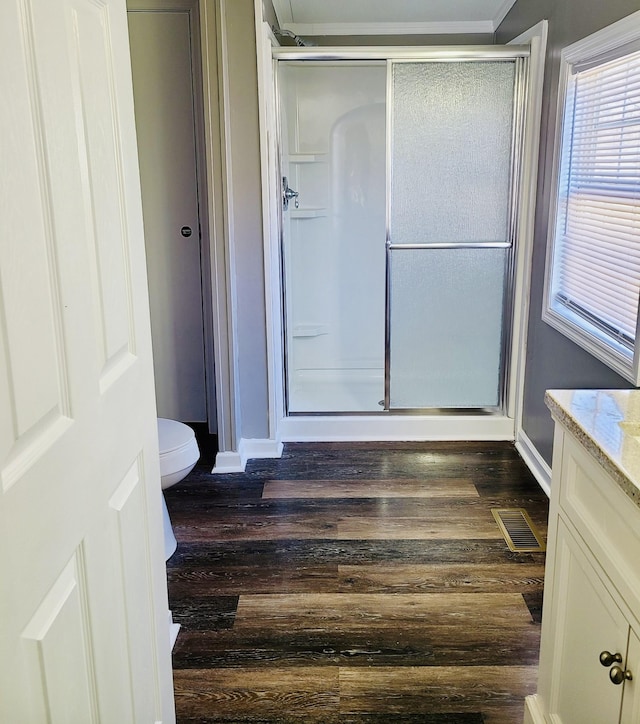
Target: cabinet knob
point(618, 676)
point(607, 658)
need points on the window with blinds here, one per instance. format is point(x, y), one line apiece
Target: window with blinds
point(593, 283)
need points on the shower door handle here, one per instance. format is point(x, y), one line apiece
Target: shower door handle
point(288, 194)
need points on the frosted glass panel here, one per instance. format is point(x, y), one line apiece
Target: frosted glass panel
point(446, 327)
point(451, 150)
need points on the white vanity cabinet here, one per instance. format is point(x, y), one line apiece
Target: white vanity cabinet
point(591, 605)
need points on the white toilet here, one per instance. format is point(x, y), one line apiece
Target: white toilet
point(178, 454)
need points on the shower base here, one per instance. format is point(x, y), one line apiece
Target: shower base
point(352, 390)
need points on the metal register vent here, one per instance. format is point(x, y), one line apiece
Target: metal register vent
point(518, 530)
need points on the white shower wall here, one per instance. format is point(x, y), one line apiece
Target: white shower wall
point(333, 133)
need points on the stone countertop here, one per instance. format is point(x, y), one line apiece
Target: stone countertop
point(607, 423)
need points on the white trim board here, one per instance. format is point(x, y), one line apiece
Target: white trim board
point(265, 40)
point(228, 462)
point(376, 428)
point(537, 38)
point(215, 98)
point(533, 711)
point(540, 470)
point(236, 462)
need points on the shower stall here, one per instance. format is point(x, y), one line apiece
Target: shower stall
point(398, 226)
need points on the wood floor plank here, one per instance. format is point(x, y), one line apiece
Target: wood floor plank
point(216, 555)
point(356, 611)
point(279, 527)
point(203, 612)
point(376, 578)
point(503, 713)
point(408, 646)
point(364, 488)
point(457, 717)
point(256, 693)
point(478, 524)
point(433, 689)
point(441, 578)
point(417, 523)
point(367, 630)
point(193, 582)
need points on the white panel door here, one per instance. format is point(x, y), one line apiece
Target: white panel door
point(83, 608)
point(164, 104)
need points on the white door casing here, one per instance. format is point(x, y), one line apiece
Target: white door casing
point(83, 602)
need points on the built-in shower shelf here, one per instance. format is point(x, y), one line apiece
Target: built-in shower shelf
point(308, 213)
point(307, 157)
point(310, 330)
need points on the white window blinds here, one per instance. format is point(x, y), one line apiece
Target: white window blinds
point(596, 260)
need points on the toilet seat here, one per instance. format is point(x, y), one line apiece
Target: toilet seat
point(178, 451)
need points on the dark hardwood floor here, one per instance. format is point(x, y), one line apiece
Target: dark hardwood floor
point(356, 583)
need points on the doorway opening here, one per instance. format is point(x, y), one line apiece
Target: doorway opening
point(168, 107)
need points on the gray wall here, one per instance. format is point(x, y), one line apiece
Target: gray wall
point(246, 260)
point(552, 360)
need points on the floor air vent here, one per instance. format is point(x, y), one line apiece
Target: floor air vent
point(518, 530)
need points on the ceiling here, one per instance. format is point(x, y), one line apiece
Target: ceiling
point(390, 17)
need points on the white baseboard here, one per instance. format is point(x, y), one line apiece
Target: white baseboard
point(535, 462)
point(260, 448)
point(236, 462)
point(532, 711)
point(228, 462)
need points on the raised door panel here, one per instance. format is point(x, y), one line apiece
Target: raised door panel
point(103, 186)
point(57, 641)
point(586, 621)
point(35, 408)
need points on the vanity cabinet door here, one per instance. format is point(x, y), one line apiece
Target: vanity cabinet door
point(631, 699)
point(586, 622)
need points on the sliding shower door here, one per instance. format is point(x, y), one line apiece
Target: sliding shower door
point(399, 188)
point(450, 232)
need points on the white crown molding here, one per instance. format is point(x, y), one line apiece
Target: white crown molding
point(439, 28)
